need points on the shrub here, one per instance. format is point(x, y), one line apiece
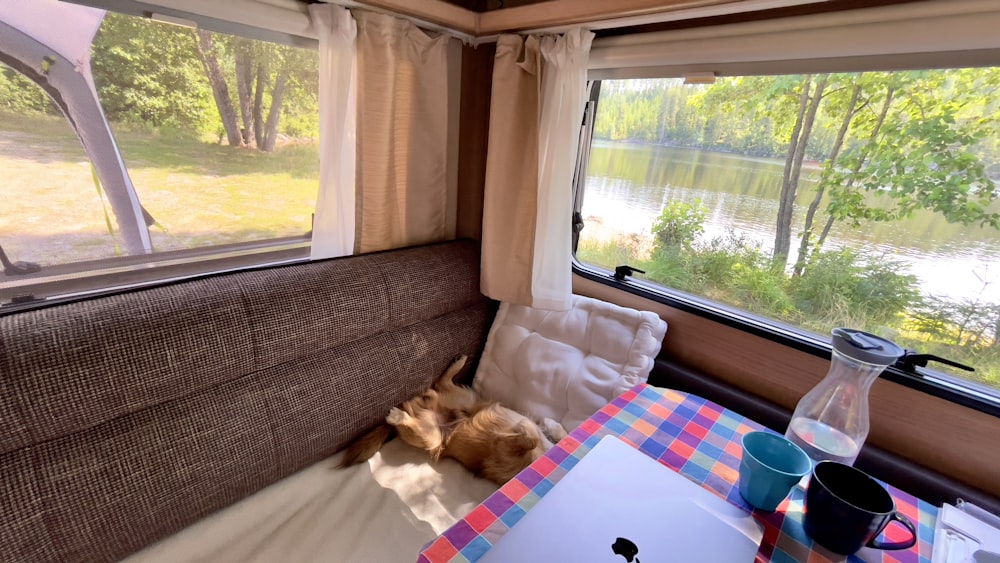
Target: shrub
point(20, 95)
point(671, 267)
point(718, 261)
point(843, 284)
point(679, 224)
point(762, 290)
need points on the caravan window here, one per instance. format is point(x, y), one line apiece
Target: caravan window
point(810, 201)
point(127, 142)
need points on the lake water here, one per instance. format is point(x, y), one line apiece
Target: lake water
point(628, 185)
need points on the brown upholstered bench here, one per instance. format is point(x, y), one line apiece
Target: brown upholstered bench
point(126, 418)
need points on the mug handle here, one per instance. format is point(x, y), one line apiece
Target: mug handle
point(899, 544)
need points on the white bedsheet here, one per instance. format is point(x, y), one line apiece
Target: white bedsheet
point(383, 511)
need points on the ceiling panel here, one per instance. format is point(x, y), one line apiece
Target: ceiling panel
point(487, 5)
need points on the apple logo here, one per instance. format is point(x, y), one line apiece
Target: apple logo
point(626, 549)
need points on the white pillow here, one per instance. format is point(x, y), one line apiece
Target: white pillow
point(566, 365)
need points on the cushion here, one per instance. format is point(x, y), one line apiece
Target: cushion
point(383, 510)
point(565, 365)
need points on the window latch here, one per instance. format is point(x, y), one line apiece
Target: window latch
point(911, 360)
point(623, 271)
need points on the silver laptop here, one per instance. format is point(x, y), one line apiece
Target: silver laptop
point(619, 505)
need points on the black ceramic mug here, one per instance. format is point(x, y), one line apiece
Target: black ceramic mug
point(846, 509)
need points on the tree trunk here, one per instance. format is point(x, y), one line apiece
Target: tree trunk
point(274, 112)
point(793, 166)
point(209, 60)
point(859, 164)
point(783, 226)
point(995, 342)
point(244, 86)
point(258, 103)
point(800, 262)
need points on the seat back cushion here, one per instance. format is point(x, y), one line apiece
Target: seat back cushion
point(128, 417)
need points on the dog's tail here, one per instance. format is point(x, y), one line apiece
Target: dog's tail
point(365, 447)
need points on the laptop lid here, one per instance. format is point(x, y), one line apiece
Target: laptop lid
point(618, 505)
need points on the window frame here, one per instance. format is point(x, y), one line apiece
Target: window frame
point(927, 380)
point(73, 280)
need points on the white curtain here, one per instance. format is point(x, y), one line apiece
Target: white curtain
point(536, 111)
point(333, 224)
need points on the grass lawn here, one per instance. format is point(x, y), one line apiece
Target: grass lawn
point(200, 193)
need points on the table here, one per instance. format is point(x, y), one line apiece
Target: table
point(689, 434)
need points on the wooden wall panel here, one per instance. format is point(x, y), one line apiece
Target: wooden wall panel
point(474, 124)
point(433, 11)
point(954, 440)
point(566, 12)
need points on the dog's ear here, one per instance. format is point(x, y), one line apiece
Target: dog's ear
point(522, 441)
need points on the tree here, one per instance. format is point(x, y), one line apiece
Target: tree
point(220, 90)
point(148, 73)
point(849, 111)
point(266, 74)
point(843, 205)
point(921, 154)
point(804, 121)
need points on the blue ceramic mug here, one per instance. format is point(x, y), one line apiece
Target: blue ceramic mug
point(771, 465)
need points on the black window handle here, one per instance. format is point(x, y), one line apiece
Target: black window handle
point(910, 361)
point(623, 271)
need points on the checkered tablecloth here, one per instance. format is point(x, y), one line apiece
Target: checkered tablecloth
point(688, 434)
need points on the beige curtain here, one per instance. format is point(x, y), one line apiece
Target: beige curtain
point(407, 126)
point(535, 114)
point(512, 171)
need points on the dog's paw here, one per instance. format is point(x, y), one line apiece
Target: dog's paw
point(553, 429)
point(426, 400)
point(396, 416)
point(459, 362)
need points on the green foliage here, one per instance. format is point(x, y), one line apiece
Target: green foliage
point(967, 322)
point(718, 261)
point(149, 74)
point(983, 355)
point(737, 269)
point(679, 224)
point(671, 267)
point(622, 249)
point(149, 77)
point(732, 269)
point(924, 155)
point(843, 284)
point(20, 95)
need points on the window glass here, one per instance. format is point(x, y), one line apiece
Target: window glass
point(215, 137)
point(865, 200)
point(52, 211)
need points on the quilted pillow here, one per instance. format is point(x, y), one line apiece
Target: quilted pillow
point(566, 365)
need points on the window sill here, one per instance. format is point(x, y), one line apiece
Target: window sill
point(66, 282)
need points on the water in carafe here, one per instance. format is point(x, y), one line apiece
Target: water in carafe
point(822, 441)
point(831, 421)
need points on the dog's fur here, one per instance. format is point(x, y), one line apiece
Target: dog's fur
point(449, 420)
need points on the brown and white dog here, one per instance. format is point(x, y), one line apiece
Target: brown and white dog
point(449, 420)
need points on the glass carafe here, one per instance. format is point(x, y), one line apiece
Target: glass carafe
point(830, 422)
